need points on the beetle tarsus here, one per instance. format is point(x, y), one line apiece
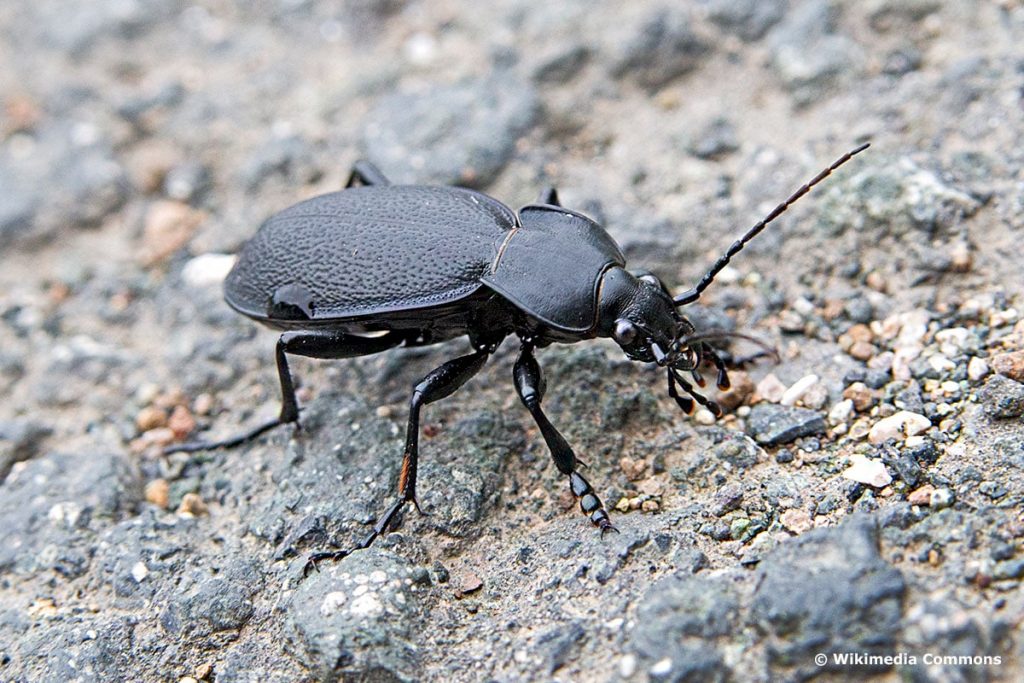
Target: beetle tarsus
point(530, 387)
point(237, 440)
point(439, 383)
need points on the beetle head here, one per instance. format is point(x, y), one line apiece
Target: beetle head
point(636, 310)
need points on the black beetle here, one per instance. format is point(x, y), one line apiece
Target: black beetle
point(377, 266)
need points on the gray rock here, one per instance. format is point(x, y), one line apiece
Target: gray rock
point(893, 197)
point(188, 182)
point(562, 65)
point(748, 19)
point(772, 425)
point(828, 591)
point(289, 158)
point(1002, 397)
point(53, 505)
point(216, 604)
point(19, 440)
point(356, 619)
point(808, 56)
point(679, 618)
point(67, 181)
point(658, 48)
point(455, 134)
point(76, 29)
point(715, 140)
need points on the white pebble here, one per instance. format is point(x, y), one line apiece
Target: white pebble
point(332, 601)
point(977, 369)
point(705, 417)
point(139, 571)
point(898, 426)
point(841, 412)
point(662, 667)
point(866, 471)
point(799, 388)
point(941, 364)
point(207, 270)
point(627, 666)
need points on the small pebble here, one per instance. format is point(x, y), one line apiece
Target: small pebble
point(794, 393)
point(150, 417)
point(860, 396)
point(207, 270)
point(771, 389)
point(841, 412)
point(181, 422)
point(862, 351)
point(898, 426)
point(158, 493)
point(650, 506)
point(921, 496)
point(796, 520)
point(941, 498)
point(140, 571)
point(192, 504)
point(977, 369)
point(467, 583)
point(1004, 317)
point(705, 417)
point(627, 665)
point(169, 226)
point(866, 471)
point(1010, 364)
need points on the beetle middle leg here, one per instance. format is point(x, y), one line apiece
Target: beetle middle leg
point(326, 345)
point(439, 383)
point(549, 195)
point(530, 386)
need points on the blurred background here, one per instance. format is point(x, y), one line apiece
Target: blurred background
point(141, 143)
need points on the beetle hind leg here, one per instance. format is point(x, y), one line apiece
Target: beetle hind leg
point(530, 387)
point(439, 383)
point(365, 173)
point(326, 345)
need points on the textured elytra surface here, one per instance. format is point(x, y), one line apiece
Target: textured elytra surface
point(371, 249)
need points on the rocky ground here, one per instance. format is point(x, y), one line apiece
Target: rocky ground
point(862, 496)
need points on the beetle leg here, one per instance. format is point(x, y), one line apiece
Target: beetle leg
point(530, 386)
point(439, 383)
point(365, 173)
point(312, 345)
point(549, 195)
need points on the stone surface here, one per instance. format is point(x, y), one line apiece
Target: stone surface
point(773, 425)
point(828, 591)
point(463, 133)
point(1002, 398)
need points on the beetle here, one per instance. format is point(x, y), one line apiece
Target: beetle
point(378, 266)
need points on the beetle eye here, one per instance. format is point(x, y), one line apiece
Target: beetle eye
point(651, 279)
point(625, 332)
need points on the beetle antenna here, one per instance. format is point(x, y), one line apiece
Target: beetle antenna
point(723, 260)
point(711, 335)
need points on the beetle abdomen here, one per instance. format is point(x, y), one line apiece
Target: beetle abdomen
point(368, 250)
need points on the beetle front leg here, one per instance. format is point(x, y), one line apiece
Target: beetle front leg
point(439, 383)
point(325, 345)
point(530, 387)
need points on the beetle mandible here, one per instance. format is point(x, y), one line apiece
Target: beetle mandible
point(378, 266)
